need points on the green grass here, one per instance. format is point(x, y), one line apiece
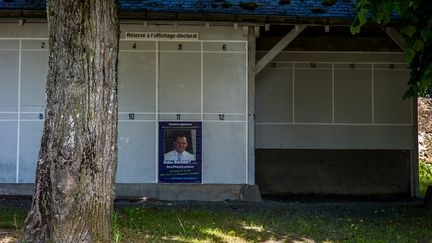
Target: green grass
point(12, 217)
point(197, 225)
point(259, 223)
point(425, 176)
point(232, 222)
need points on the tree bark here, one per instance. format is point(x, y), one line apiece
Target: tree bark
point(74, 190)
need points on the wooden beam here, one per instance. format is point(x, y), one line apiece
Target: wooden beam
point(284, 42)
point(251, 108)
point(415, 192)
point(396, 37)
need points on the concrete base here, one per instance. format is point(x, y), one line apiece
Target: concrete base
point(16, 189)
point(174, 192)
point(284, 172)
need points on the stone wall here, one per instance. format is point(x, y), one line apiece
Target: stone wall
point(425, 129)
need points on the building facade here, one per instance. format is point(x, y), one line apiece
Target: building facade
point(266, 108)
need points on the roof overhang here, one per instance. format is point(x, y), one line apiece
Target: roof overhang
point(157, 16)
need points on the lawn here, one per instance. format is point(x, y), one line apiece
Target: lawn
point(257, 222)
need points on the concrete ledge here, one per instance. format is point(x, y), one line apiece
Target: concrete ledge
point(172, 192)
point(16, 189)
point(197, 192)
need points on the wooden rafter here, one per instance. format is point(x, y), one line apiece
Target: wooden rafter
point(284, 42)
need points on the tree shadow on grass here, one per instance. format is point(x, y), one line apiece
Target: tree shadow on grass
point(276, 224)
point(259, 223)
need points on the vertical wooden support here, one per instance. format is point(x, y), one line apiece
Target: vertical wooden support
point(251, 105)
point(415, 192)
point(414, 173)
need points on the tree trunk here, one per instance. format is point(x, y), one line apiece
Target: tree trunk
point(74, 191)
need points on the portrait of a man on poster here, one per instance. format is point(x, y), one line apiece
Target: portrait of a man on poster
point(179, 153)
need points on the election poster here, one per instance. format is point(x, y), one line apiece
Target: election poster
point(180, 157)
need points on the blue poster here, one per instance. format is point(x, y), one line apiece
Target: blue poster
point(180, 157)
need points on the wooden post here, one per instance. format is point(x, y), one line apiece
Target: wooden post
point(251, 105)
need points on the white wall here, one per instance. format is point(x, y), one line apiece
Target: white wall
point(327, 105)
point(156, 82)
point(322, 100)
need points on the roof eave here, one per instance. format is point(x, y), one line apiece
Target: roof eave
point(169, 16)
point(21, 13)
point(249, 18)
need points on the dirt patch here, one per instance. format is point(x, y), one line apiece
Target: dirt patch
point(7, 235)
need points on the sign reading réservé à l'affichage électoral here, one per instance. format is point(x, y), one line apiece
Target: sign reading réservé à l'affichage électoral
point(180, 152)
point(161, 36)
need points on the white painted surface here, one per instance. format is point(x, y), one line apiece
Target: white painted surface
point(200, 80)
point(8, 150)
point(297, 106)
point(337, 101)
point(30, 139)
point(224, 159)
point(9, 80)
point(136, 152)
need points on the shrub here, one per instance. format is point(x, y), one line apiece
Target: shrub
point(425, 172)
point(425, 176)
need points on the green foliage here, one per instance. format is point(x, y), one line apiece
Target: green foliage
point(415, 20)
point(425, 173)
point(425, 176)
